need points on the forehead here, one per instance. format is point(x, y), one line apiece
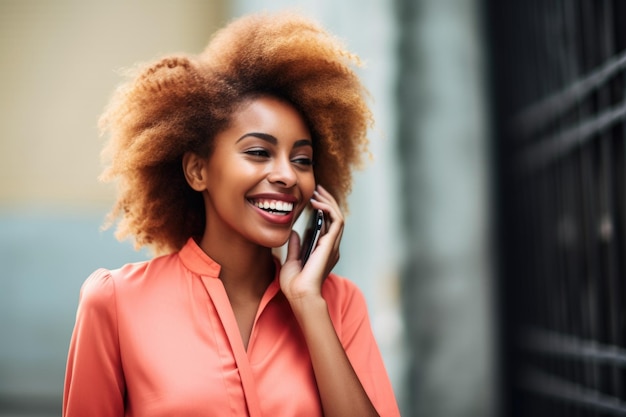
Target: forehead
point(270, 115)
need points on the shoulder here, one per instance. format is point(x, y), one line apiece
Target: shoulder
point(103, 283)
point(341, 293)
point(98, 289)
point(102, 280)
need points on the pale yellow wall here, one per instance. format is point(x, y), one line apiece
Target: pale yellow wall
point(59, 59)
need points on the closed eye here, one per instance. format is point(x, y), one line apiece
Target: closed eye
point(303, 161)
point(257, 153)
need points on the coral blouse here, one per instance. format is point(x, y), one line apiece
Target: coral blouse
point(159, 338)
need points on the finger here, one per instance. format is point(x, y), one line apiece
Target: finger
point(325, 197)
point(328, 244)
point(321, 195)
point(330, 241)
point(333, 218)
point(334, 222)
point(324, 192)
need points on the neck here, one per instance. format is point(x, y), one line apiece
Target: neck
point(246, 269)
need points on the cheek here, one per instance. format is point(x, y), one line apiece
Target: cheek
point(308, 185)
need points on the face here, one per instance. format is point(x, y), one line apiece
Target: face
point(259, 176)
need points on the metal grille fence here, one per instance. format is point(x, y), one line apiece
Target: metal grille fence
point(559, 70)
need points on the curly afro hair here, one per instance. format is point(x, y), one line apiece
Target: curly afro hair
point(179, 103)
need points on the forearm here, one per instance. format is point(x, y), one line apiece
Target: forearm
point(340, 390)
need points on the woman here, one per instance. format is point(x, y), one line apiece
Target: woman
point(216, 156)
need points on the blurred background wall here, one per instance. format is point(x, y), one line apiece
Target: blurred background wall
point(59, 66)
point(417, 238)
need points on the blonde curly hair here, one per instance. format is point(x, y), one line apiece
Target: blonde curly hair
point(180, 102)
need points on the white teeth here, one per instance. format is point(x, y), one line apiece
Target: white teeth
point(277, 205)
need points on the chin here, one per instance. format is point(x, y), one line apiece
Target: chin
point(279, 243)
point(275, 241)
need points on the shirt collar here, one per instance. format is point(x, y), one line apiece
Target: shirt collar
point(198, 261)
point(194, 258)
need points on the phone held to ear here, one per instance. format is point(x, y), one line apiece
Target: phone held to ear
point(311, 235)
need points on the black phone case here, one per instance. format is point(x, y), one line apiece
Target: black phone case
point(311, 235)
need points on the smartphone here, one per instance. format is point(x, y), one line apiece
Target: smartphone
point(311, 234)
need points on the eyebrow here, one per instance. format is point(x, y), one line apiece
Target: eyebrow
point(272, 139)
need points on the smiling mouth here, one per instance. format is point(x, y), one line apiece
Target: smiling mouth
point(278, 207)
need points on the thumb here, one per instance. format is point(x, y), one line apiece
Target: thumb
point(293, 247)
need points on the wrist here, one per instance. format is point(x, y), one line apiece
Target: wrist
point(308, 306)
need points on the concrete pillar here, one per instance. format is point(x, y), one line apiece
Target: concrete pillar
point(444, 158)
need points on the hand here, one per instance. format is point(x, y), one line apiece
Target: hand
point(299, 283)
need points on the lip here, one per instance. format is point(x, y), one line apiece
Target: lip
point(274, 218)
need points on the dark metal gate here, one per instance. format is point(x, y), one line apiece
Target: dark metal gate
point(559, 72)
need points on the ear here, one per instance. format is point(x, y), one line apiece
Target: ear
point(193, 167)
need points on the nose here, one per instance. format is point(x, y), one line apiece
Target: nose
point(282, 173)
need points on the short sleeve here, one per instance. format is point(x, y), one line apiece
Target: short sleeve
point(94, 381)
point(355, 332)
